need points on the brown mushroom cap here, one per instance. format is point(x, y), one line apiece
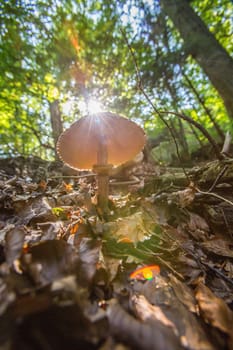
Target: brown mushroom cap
point(78, 145)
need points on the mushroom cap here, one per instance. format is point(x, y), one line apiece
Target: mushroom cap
point(78, 146)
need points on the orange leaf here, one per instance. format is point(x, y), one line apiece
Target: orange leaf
point(74, 228)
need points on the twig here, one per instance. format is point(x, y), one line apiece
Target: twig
point(217, 272)
point(170, 267)
point(226, 222)
point(130, 182)
point(220, 175)
point(38, 136)
point(72, 176)
point(215, 195)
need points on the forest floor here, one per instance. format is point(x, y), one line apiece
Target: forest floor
point(157, 273)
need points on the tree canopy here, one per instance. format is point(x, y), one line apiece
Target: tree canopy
point(77, 53)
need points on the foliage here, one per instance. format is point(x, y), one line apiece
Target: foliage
point(74, 51)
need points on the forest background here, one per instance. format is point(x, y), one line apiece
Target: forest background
point(63, 59)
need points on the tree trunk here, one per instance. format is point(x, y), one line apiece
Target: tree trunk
point(56, 122)
point(204, 48)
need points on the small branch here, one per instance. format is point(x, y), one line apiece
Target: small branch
point(73, 176)
point(130, 182)
point(37, 135)
point(215, 195)
point(170, 267)
point(220, 175)
point(219, 273)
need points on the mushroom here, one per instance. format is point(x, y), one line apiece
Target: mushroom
point(100, 141)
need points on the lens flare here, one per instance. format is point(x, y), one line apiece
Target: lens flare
point(145, 273)
point(94, 106)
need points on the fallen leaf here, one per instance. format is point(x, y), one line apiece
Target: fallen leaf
point(79, 231)
point(219, 246)
point(186, 196)
point(184, 293)
point(214, 310)
point(89, 255)
point(33, 211)
point(197, 222)
point(49, 260)
point(74, 198)
point(67, 187)
point(50, 230)
point(148, 335)
point(191, 333)
point(74, 228)
point(112, 266)
point(63, 213)
point(146, 311)
point(14, 242)
point(228, 266)
point(4, 231)
point(7, 296)
point(134, 227)
point(30, 303)
point(222, 289)
point(42, 185)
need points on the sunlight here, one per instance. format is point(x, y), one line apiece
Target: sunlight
point(67, 107)
point(94, 106)
point(71, 105)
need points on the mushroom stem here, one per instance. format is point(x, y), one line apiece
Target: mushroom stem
point(102, 153)
point(103, 192)
point(103, 172)
point(102, 168)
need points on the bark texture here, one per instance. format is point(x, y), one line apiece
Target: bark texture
point(204, 48)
